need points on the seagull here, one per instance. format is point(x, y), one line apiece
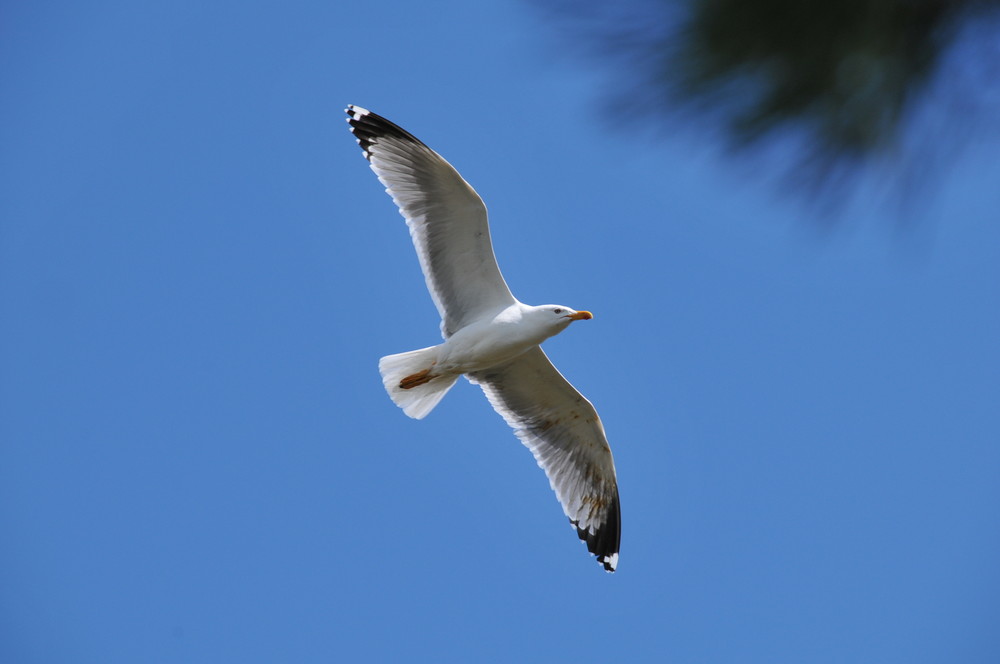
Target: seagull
point(489, 336)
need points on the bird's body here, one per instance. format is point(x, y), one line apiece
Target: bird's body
point(496, 339)
point(490, 337)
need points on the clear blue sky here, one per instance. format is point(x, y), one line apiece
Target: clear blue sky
point(198, 274)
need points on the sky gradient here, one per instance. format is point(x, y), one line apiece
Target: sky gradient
point(198, 274)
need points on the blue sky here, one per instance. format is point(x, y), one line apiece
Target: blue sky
point(198, 274)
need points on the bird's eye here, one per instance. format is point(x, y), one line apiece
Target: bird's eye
point(558, 311)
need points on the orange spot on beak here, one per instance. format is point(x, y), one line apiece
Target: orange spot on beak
point(581, 315)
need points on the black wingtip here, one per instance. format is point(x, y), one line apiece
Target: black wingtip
point(606, 540)
point(369, 127)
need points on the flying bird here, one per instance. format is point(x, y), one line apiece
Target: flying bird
point(490, 337)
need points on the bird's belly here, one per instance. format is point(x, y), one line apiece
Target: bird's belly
point(475, 350)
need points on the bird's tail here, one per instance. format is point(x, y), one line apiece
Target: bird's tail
point(410, 380)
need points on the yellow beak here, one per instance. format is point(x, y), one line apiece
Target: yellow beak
point(581, 315)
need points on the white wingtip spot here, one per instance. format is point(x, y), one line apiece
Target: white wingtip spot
point(611, 561)
point(366, 153)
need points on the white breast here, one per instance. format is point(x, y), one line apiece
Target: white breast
point(492, 341)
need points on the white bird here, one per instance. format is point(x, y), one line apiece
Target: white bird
point(490, 337)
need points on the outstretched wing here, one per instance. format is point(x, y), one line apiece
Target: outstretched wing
point(563, 431)
point(446, 217)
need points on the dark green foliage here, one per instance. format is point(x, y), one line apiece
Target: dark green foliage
point(840, 77)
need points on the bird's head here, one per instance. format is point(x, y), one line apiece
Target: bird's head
point(561, 316)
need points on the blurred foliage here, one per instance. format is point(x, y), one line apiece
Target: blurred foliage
point(842, 78)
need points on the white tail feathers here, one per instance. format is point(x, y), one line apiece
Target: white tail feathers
point(417, 368)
